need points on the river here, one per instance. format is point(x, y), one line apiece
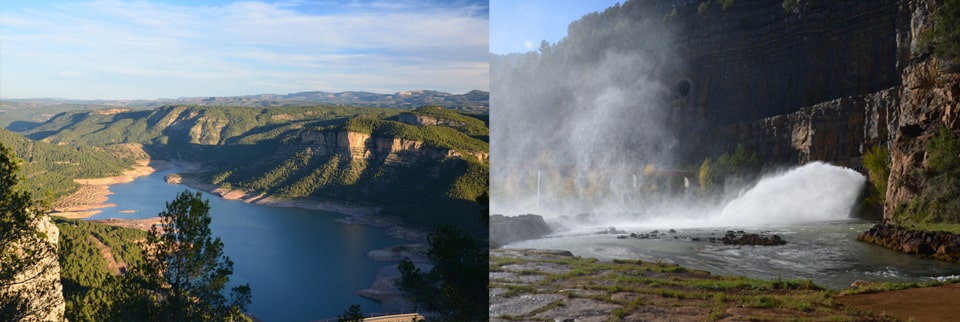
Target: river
point(301, 264)
point(825, 252)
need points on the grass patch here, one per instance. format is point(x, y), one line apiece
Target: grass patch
point(635, 285)
point(518, 289)
point(760, 301)
point(895, 286)
point(947, 227)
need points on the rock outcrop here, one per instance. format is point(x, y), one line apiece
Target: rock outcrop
point(40, 284)
point(391, 150)
point(824, 81)
point(505, 230)
point(173, 178)
point(756, 69)
point(930, 97)
point(742, 238)
point(937, 244)
point(414, 119)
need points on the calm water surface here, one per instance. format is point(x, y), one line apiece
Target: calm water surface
point(301, 264)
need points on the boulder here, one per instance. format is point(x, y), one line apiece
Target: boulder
point(505, 230)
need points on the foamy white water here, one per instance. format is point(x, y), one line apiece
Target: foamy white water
point(814, 192)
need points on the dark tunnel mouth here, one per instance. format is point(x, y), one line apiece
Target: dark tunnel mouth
point(681, 89)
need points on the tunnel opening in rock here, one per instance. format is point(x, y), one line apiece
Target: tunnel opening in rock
point(681, 89)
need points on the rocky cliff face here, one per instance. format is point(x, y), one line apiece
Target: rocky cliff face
point(825, 81)
point(756, 60)
point(392, 151)
point(414, 119)
point(837, 131)
point(930, 100)
point(40, 284)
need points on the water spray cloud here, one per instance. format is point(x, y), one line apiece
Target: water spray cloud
point(583, 130)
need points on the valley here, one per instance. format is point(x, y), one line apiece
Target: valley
point(352, 179)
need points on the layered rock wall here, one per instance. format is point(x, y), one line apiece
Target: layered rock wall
point(392, 151)
point(822, 82)
point(756, 60)
point(837, 131)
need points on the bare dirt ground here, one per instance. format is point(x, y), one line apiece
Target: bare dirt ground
point(84, 203)
point(93, 193)
point(143, 167)
point(107, 254)
point(938, 303)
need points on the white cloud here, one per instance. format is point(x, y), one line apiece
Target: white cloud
point(236, 45)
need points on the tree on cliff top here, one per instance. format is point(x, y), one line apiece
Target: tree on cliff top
point(25, 252)
point(184, 276)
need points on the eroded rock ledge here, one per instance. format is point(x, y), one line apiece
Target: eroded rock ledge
point(936, 244)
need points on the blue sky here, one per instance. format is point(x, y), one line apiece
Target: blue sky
point(120, 49)
point(519, 26)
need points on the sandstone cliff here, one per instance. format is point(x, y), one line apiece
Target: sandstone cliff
point(390, 150)
point(40, 284)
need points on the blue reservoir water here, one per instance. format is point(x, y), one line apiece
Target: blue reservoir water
point(301, 264)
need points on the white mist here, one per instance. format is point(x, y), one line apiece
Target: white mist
point(815, 192)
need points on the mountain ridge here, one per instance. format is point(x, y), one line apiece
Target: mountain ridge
point(19, 114)
point(472, 100)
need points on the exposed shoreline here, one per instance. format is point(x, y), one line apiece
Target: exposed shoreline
point(360, 214)
point(93, 193)
point(92, 197)
point(262, 199)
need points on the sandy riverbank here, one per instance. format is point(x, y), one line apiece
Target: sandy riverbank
point(262, 199)
point(92, 197)
point(356, 213)
point(93, 193)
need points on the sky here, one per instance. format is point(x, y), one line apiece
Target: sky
point(148, 49)
point(520, 26)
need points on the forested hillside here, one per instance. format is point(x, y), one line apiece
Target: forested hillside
point(52, 168)
point(428, 164)
point(92, 257)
